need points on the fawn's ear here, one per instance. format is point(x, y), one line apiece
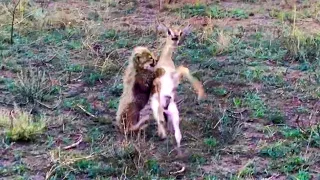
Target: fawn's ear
point(186, 30)
point(165, 29)
point(162, 27)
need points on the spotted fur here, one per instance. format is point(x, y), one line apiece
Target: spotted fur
point(137, 83)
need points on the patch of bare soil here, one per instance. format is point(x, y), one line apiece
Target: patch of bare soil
point(309, 25)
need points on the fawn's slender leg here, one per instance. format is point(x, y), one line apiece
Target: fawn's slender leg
point(174, 117)
point(158, 116)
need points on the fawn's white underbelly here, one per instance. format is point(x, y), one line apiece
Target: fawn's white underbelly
point(167, 85)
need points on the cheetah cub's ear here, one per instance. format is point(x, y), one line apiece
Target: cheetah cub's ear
point(137, 59)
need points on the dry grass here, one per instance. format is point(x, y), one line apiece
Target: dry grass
point(223, 42)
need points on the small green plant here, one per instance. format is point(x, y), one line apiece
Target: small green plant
point(93, 168)
point(293, 163)
point(289, 165)
point(74, 45)
point(20, 125)
point(276, 117)
point(247, 171)
point(109, 34)
point(75, 68)
point(230, 129)
point(210, 142)
point(17, 168)
point(92, 78)
point(303, 175)
point(238, 14)
point(68, 165)
point(250, 1)
point(9, 84)
point(254, 74)
point(78, 103)
point(213, 11)
point(190, 11)
point(217, 12)
point(291, 133)
point(254, 102)
point(276, 80)
point(302, 110)
point(153, 166)
point(33, 85)
point(95, 134)
point(210, 177)
point(116, 90)
point(220, 91)
point(113, 103)
point(262, 46)
point(237, 102)
point(194, 50)
point(197, 158)
point(279, 150)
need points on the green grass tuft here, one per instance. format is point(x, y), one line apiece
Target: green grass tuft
point(21, 125)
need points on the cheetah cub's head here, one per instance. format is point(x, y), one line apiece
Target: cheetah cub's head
point(143, 58)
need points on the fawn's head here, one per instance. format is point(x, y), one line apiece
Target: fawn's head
point(174, 36)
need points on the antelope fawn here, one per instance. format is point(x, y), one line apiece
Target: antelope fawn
point(166, 82)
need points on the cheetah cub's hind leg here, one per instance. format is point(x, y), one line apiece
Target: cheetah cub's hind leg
point(142, 129)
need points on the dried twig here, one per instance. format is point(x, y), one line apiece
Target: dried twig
point(80, 138)
point(67, 163)
point(308, 146)
point(11, 119)
point(176, 149)
point(12, 22)
point(181, 170)
point(223, 115)
point(192, 136)
point(48, 106)
point(84, 110)
point(244, 167)
point(300, 125)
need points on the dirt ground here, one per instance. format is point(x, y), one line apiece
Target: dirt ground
point(259, 121)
